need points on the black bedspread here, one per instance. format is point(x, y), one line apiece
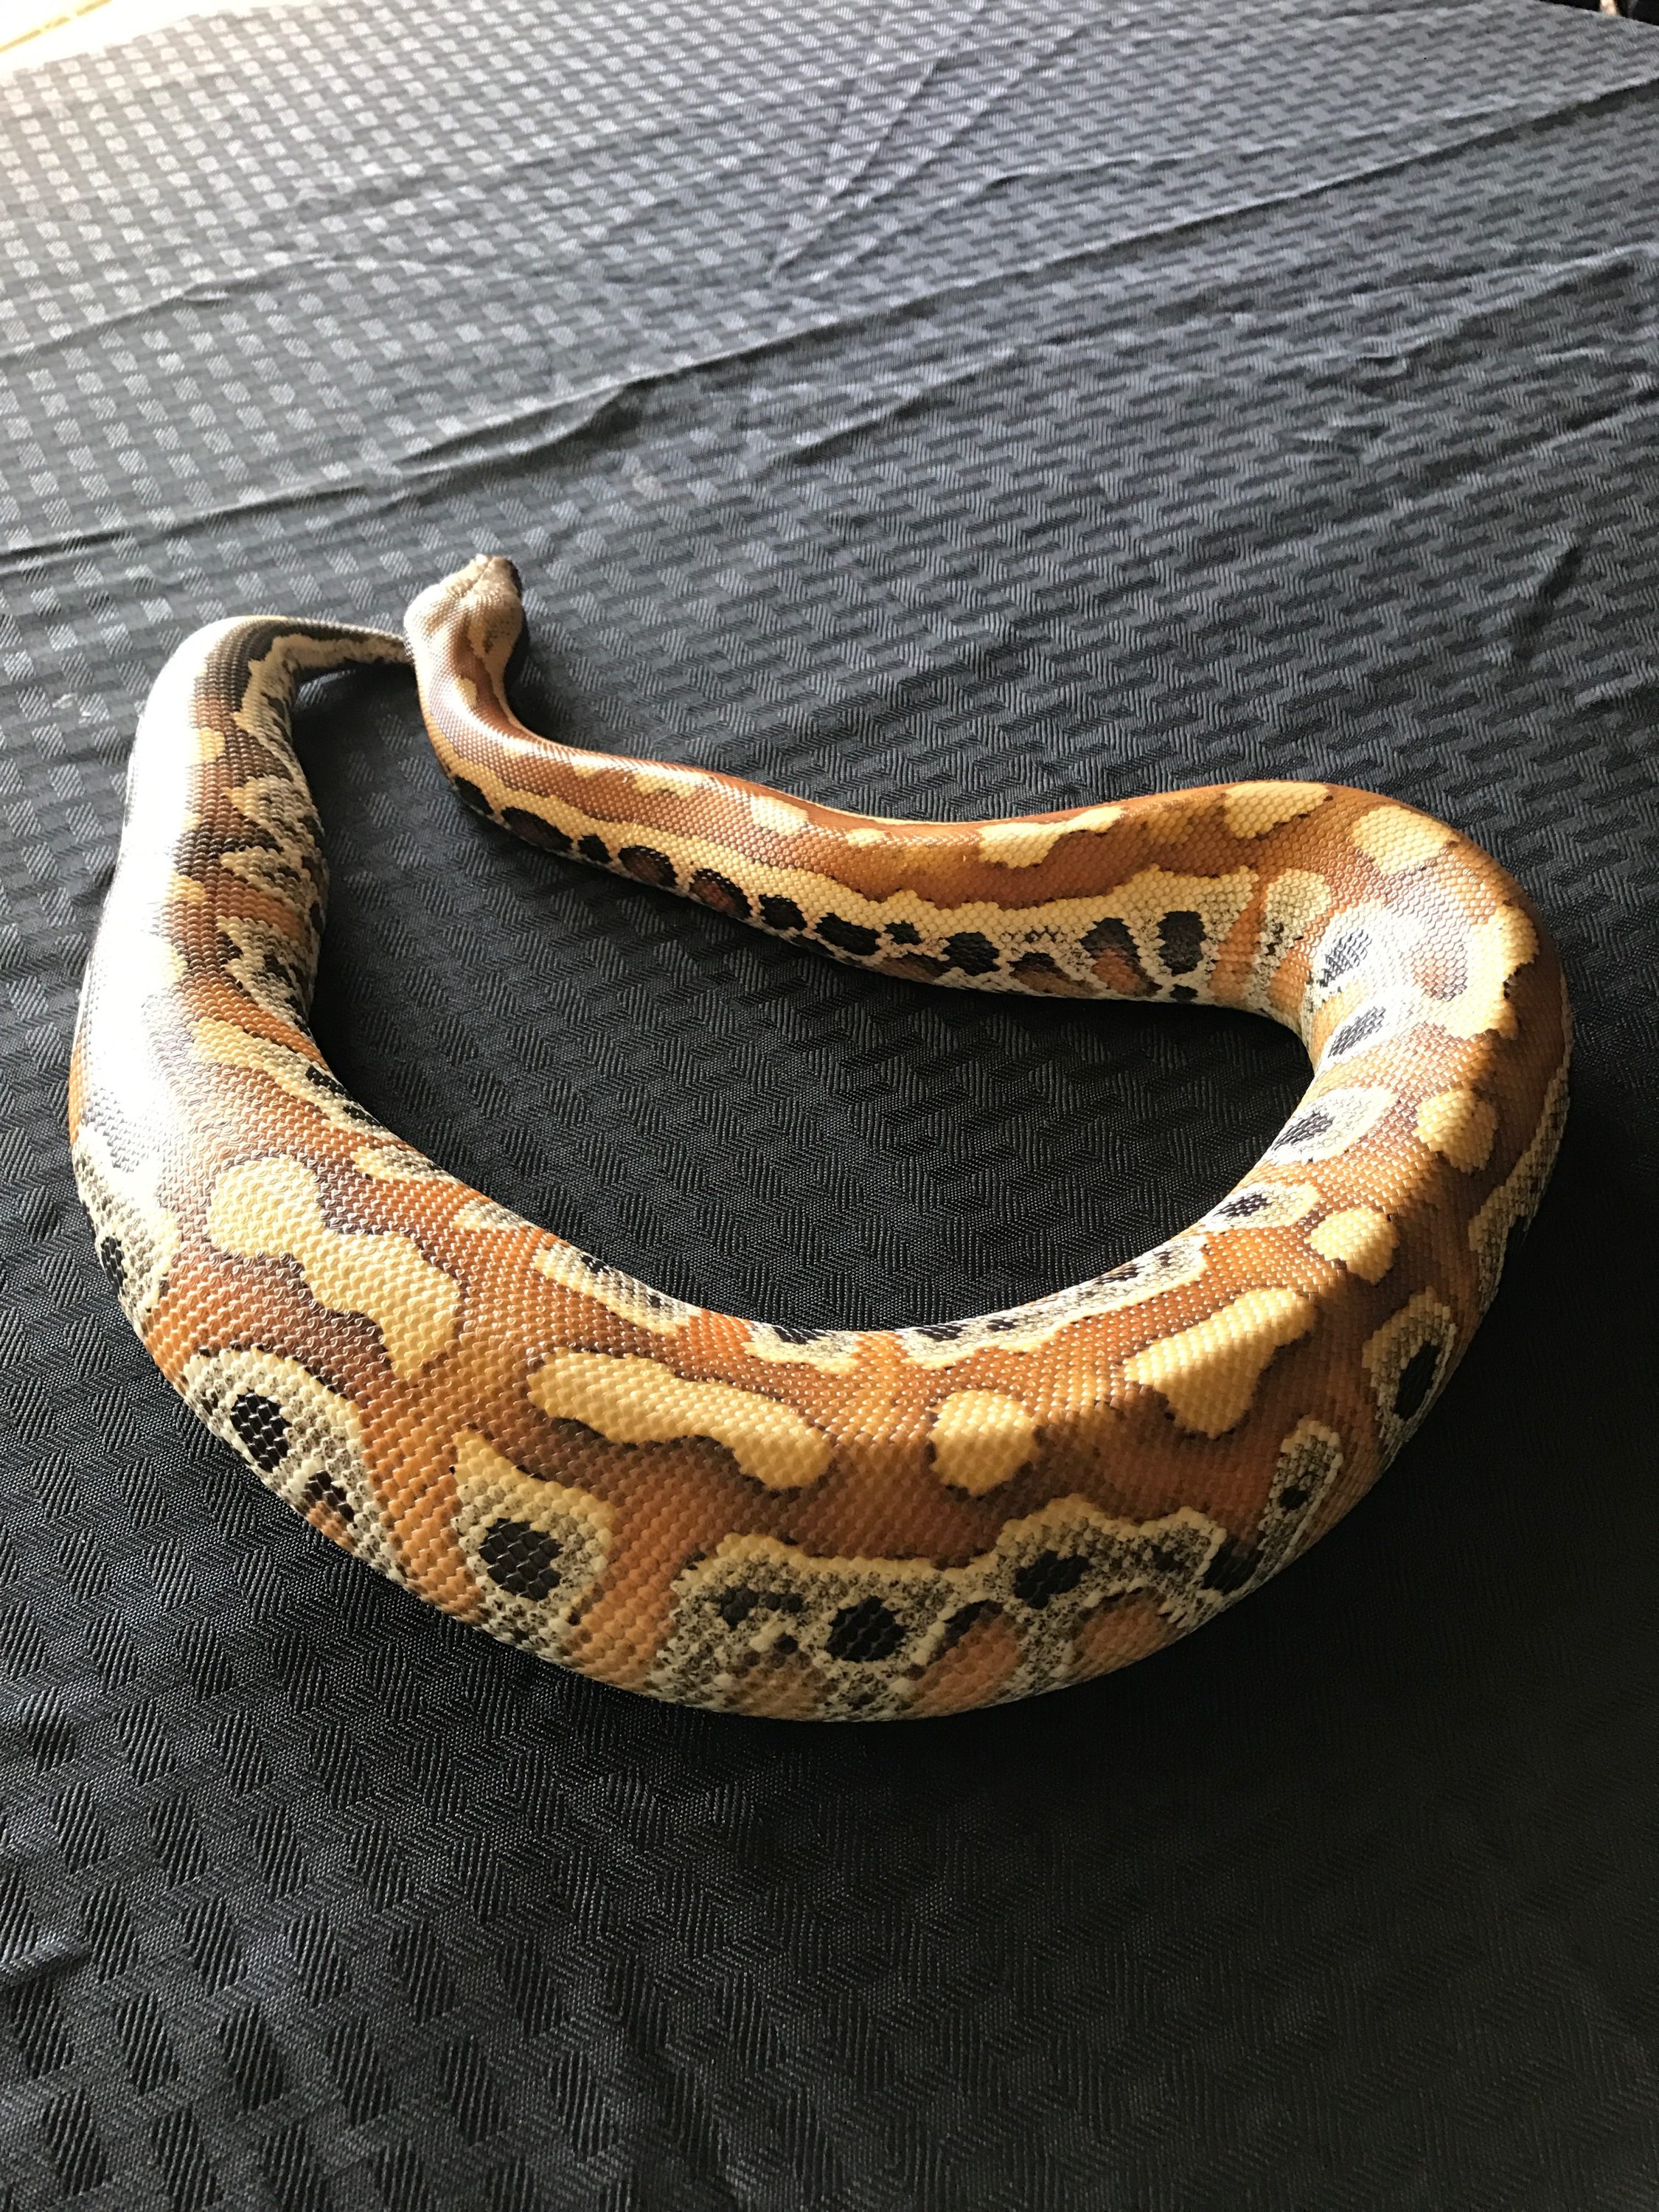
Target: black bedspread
point(955, 410)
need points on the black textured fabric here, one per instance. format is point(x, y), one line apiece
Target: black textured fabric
point(959, 409)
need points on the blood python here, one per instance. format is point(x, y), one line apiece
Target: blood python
point(835, 1524)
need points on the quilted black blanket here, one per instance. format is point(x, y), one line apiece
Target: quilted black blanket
point(935, 409)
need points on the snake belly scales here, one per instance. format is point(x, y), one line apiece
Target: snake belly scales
point(834, 1524)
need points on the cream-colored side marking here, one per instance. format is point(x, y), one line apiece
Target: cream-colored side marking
point(866, 836)
point(275, 875)
point(1390, 1358)
point(289, 1070)
point(1263, 1205)
point(836, 1350)
point(754, 1600)
point(1359, 1236)
point(653, 776)
point(1209, 1372)
point(1460, 1127)
point(1143, 901)
point(484, 1216)
point(1394, 841)
point(1146, 899)
point(271, 1210)
point(980, 1438)
point(393, 1164)
point(210, 744)
point(1497, 948)
point(1026, 1328)
point(779, 814)
point(1517, 1197)
point(1251, 810)
point(265, 695)
point(126, 1205)
point(622, 1295)
point(311, 1453)
point(1294, 901)
point(637, 1402)
point(1024, 844)
point(1328, 1122)
point(278, 805)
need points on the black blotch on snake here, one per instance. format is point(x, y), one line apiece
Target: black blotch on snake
point(847, 936)
point(534, 830)
point(262, 1426)
point(865, 1632)
point(972, 952)
point(719, 892)
point(734, 1605)
point(520, 1558)
point(471, 796)
point(1411, 1392)
point(648, 865)
point(1050, 1575)
point(323, 1490)
point(1357, 1030)
point(1181, 940)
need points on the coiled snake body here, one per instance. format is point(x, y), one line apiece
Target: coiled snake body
point(839, 1524)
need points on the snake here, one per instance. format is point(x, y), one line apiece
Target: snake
point(786, 1522)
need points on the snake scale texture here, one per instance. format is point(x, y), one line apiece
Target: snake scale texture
point(833, 1524)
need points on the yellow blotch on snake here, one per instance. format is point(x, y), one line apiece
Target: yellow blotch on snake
point(1460, 1126)
point(980, 1439)
point(1208, 1373)
point(1251, 810)
point(629, 1400)
point(271, 1210)
point(1498, 948)
point(1363, 1239)
point(1396, 840)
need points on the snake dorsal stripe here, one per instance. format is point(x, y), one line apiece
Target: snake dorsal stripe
point(836, 1523)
